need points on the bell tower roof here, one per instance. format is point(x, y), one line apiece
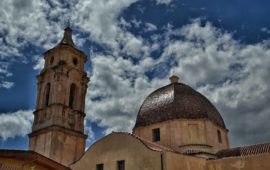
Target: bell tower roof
point(67, 38)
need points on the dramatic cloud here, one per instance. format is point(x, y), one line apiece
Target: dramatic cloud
point(39, 24)
point(232, 74)
point(26, 23)
point(18, 123)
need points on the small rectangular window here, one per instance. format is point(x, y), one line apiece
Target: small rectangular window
point(156, 135)
point(121, 165)
point(99, 167)
point(219, 136)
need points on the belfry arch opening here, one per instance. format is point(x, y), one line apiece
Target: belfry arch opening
point(47, 94)
point(72, 95)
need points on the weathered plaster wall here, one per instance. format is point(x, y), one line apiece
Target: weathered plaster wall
point(258, 162)
point(58, 128)
point(178, 133)
point(60, 146)
point(115, 147)
point(173, 161)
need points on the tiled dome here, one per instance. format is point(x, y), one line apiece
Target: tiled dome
point(176, 101)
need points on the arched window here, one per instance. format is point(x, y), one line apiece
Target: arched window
point(75, 61)
point(72, 93)
point(219, 136)
point(47, 95)
point(51, 61)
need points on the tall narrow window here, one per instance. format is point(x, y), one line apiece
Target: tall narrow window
point(219, 136)
point(47, 95)
point(99, 167)
point(156, 135)
point(72, 94)
point(121, 165)
point(75, 61)
point(51, 61)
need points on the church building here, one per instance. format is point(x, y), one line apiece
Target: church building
point(177, 128)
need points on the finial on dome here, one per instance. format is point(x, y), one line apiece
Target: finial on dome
point(174, 78)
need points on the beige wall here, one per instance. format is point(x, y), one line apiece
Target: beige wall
point(115, 147)
point(175, 133)
point(60, 146)
point(119, 146)
point(258, 162)
point(212, 139)
point(173, 161)
point(65, 53)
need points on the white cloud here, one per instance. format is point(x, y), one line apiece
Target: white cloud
point(40, 24)
point(98, 17)
point(39, 63)
point(150, 27)
point(5, 73)
point(18, 123)
point(115, 93)
point(6, 84)
point(136, 23)
point(88, 131)
point(266, 30)
point(166, 2)
point(24, 23)
point(231, 74)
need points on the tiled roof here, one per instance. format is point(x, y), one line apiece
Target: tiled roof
point(257, 149)
point(32, 156)
point(149, 144)
point(176, 101)
point(67, 38)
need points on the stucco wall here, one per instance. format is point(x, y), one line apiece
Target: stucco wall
point(211, 133)
point(173, 161)
point(176, 133)
point(115, 147)
point(258, 162)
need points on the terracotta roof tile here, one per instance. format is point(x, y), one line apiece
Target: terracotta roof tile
point(257, 149)
point(32, 156)
point(176, 101)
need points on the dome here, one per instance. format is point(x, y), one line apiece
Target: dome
point(176, 101)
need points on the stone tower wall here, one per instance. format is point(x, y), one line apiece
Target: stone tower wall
point(58, 128)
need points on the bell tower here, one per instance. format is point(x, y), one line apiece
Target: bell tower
point(58, 127)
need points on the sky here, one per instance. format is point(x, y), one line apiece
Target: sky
point(221, 48)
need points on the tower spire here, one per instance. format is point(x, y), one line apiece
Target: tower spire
point(67, 38)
